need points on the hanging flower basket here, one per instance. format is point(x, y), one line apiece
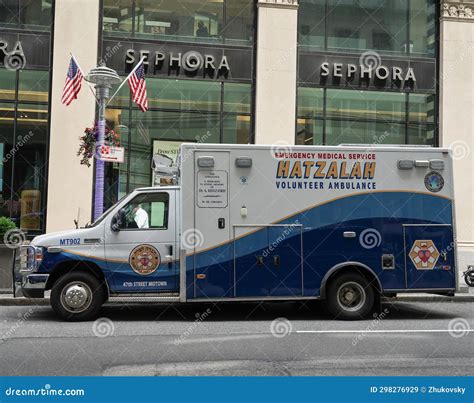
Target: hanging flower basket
point(89, 140)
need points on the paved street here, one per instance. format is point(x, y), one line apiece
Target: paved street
point(408, 338)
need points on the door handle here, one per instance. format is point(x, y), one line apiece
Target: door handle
point(276, 260)
point(444, 256)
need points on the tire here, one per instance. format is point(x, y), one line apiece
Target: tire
point(468, 278)
point(350, 297)
point(77, 296)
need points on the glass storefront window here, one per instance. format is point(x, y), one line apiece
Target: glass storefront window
point(357, 105)
point(309, 131)
point(186, 95)
point(7, 121)
point(117, 18)
point(421, 108)
point(422, 27)
point(36, 14)
point(330, 116)
point(33, 86)
point(180, 111)
point(361, 25)
point(29, 166)
point(237, 97)
point(7, 84)
point(9, 13)
point(368, 132)
point(188, 20)
point(386, 26)
point(29, 14)
point(239, 21)
point(421, 134)
point(236, 129)
point(312, 23)
point(208, 21)
point(310, 102)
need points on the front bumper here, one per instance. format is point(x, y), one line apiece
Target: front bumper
point(33, 285)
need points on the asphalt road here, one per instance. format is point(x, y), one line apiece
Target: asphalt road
point(240, 339)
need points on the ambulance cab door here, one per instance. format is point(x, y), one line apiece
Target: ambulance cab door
point(141, 245)
point(213, 258)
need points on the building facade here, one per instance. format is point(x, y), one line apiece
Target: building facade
point(285, 72)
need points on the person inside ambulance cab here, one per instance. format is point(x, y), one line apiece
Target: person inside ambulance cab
point(140, 216)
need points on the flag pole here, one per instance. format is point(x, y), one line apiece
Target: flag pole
point(83, 75)
point(125, 80)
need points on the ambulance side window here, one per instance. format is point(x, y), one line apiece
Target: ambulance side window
point(146, 211)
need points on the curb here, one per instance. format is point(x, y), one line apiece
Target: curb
point(10, 301)
point(433, 298)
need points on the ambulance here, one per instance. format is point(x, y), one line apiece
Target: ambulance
point(346, 224)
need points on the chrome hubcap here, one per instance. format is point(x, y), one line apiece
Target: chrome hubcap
point(351, 296)
point(76, 297)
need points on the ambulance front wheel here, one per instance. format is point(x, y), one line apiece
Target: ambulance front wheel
point(350, 297)
point(77, 296)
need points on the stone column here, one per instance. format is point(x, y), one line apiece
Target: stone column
point(76, 25)
point(276, 71)
point(456, 112)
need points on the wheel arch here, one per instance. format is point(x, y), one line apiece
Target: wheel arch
point(345, 267)
point(71, 265)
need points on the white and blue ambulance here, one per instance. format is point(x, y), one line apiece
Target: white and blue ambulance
point(346, 224)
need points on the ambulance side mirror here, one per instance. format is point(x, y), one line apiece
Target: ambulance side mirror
point(116, 221)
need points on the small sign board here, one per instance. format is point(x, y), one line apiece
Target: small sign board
point(111, 154)
point(212, 189)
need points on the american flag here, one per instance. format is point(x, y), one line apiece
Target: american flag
point(137, 85)
point(73, 83)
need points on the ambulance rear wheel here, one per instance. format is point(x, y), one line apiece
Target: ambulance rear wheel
point(77, 296)
point(350, 297)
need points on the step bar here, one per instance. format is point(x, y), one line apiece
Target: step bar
point(138, 298)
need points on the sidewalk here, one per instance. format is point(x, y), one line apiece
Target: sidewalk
point(466, 294)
